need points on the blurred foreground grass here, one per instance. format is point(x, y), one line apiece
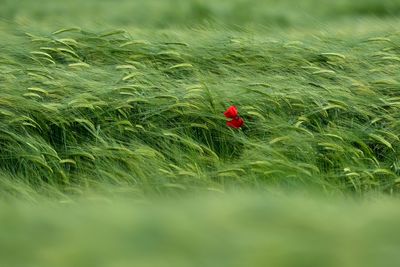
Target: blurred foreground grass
point(207, 230)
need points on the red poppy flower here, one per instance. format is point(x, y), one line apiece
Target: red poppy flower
point(235, 123)
point(231, 112)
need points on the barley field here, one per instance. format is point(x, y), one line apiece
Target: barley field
point(115, 150)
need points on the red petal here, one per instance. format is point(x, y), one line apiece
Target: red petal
point(231, 112)
point(235, 123)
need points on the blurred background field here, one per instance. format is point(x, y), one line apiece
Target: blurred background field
point(110, 108)
point(183, 14)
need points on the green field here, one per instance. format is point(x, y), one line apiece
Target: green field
point(109, 109)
